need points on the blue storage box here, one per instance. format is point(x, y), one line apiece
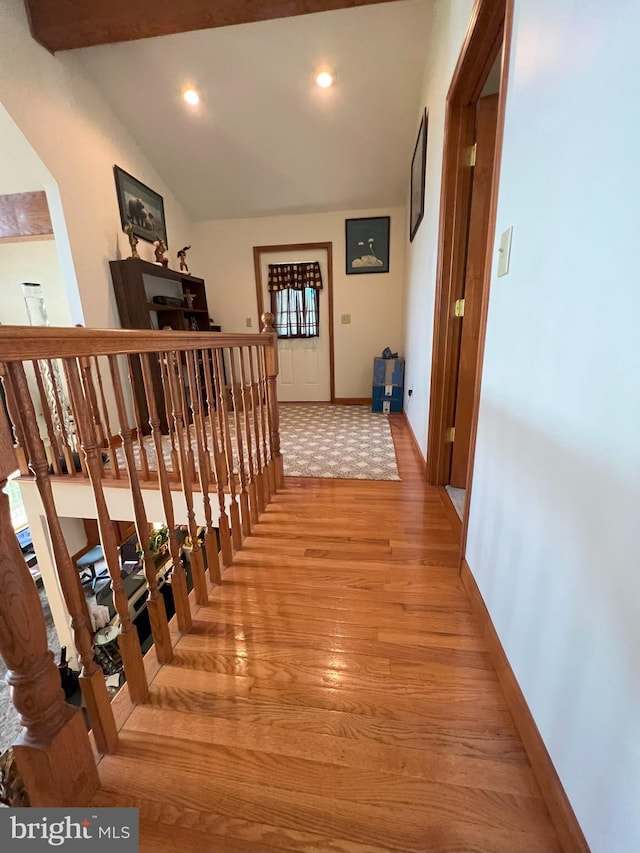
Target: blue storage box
point(382, 402)
point(388, 371)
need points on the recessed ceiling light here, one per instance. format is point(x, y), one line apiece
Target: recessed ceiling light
point(191, 96)
point(325, 77)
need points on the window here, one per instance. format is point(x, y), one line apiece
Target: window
point(295, 298)
point(296, 312)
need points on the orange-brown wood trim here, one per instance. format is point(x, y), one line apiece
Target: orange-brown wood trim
point(77, 23)
point(259, 251)
point(484, 306)
point(564, 820)
point(485, 33)
point(414, 440)
point(25, 343)
point(25, 215)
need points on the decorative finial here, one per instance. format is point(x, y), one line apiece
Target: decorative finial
point(268, 320)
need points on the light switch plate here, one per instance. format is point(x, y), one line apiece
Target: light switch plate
point(504, 252)
point(345, 319)
point(249, 322)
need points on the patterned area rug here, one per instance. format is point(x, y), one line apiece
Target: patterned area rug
point(341, 442)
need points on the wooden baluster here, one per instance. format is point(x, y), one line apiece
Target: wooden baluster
point(155, 602)
point(255, 406)
point(264, 420)
point(271, 362)
point(52, 752)
point(238, 403)
point(197, 564)
point(19, 447)
point(92, 681)
point(178, 576)
point(175, 467)
point(223, 416)
point(210, 539)
point(247, 404)
point(63, 437)
point(56, 454)
point(128, 641)
point(114, 468)
point(182, 387)
point(218, 461)
point(87, 378)
point(142, 450)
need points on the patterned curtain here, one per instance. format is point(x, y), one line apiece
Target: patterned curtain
point(295, 276)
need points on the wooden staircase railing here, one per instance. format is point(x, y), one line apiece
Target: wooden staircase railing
point(64, 390)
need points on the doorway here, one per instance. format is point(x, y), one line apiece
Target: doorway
point(305, 363)
point(472, 148)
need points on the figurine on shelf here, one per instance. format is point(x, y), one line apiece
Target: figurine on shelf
point(133, 240)
point(182, 257)
point(188, 298)
point(160, 249)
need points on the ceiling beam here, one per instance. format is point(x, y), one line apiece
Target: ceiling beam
point(79, 23)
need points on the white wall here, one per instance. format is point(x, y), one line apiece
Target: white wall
point(449, 25)
point(555, 511)
point(33, 261)
point(79, 139)
point(225, 260)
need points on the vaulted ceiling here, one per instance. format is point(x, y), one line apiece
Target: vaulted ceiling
point(264, 139)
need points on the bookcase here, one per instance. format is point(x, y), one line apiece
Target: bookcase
point(150, 296)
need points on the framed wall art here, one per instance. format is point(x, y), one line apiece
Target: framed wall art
point(141, 206)
point(418, 168)
point(367, 245)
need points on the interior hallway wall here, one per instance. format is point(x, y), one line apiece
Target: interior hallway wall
point(374, 301)
point(442, 48)
point(79, 138)
point(555, 506)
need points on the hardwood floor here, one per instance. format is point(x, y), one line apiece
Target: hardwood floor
point(334, 695)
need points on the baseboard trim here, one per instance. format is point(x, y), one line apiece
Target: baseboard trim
point(564, 820)
point(352, 401)
point(414, 439)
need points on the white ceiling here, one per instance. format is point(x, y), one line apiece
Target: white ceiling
point(265, 140)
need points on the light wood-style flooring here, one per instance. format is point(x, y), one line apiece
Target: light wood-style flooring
point(335, 694)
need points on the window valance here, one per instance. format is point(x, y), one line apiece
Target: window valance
point(295, 276)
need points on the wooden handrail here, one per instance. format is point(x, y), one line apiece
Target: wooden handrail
point(28, 343)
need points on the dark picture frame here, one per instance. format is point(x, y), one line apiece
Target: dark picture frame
point(367, 245)
point(418, 170)
point(141, 206)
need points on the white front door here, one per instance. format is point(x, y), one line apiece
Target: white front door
point(304, 364)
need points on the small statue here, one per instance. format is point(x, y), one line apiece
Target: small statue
point(188, 298)
point(160, 249)
point(182, 257)
point(133, 240)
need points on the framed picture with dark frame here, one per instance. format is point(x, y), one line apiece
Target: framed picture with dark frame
point(141, 206)
point(418, 169)
point(367, 245)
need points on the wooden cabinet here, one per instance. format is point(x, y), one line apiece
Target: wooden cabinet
point(149, 296)
point(146, 296)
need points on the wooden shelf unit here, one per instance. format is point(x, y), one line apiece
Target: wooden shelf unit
point(135, 283)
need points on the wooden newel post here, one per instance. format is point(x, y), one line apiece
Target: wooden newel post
point(271, 361)
point(53, 753)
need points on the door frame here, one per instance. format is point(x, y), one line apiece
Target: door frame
point(489, 30)
point(259, 251)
